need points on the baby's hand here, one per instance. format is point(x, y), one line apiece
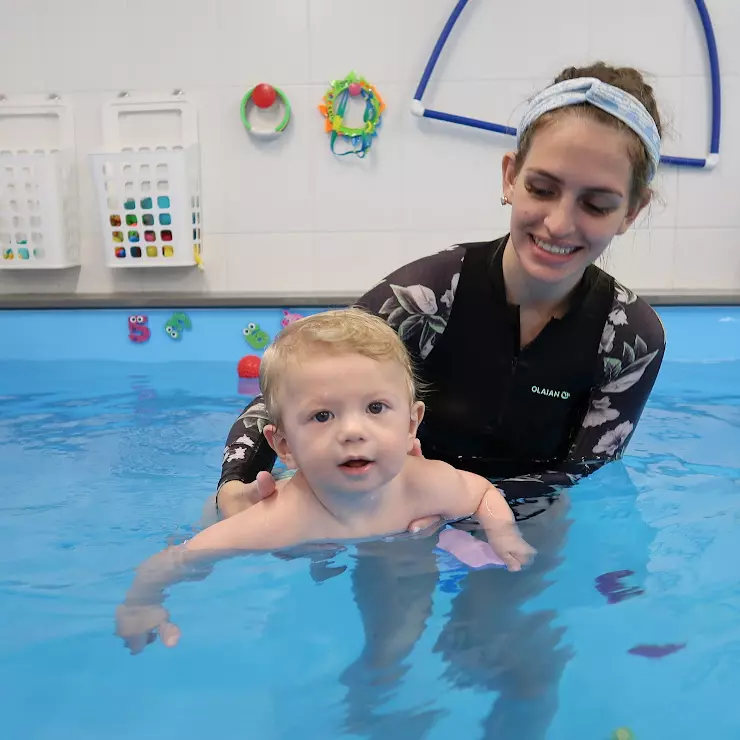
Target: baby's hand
point(138, 626)
point(510, 546)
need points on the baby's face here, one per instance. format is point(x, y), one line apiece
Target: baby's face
point(348, 421)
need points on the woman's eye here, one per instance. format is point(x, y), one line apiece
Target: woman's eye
point(598, 210)
point(539, 192)
point(322, 416)
point(376, 407)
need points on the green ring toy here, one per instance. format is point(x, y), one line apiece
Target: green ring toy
point(263, 96)
point(334, 107)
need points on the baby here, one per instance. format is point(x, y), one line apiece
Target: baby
point(341, 398)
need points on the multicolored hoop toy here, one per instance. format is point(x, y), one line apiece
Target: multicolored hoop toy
point(335, 105)
point(264, 96)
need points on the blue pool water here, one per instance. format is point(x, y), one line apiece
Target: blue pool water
point(106, 456)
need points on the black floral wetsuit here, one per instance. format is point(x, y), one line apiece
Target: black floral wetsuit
point(534, 419)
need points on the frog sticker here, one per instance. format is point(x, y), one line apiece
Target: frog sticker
point(177, 324)
point(255, 337)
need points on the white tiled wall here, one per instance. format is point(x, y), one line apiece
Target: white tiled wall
point(287, 216)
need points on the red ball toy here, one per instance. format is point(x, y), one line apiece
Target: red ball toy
point(249, 367)
point(264, 95)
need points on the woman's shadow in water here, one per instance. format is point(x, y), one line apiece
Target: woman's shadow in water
point(488, 641)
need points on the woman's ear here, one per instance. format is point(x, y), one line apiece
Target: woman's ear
point(508, 174)
point(277, 441)
point(633, 212)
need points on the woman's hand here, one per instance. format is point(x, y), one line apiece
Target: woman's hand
point(235, 496)
point(430, 524)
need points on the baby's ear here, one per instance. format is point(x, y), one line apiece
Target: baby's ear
point(417, 414)
point(277, 441)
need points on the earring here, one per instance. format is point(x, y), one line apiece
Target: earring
point(505, 201)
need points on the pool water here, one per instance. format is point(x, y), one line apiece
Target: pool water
point(630, 617)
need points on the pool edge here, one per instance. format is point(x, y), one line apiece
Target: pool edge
point(251, 300)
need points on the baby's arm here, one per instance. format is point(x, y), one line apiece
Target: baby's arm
point(498, 522)
point(141, 616)
point(458, 493)
point(268, 525)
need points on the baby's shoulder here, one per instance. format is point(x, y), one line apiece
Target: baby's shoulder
point(430, 479)
point(423, 470)
point(444, 488)
point(290, 503)
point(292, 514)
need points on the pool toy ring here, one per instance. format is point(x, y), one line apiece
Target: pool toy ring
point(335, 104)
point(265, 96)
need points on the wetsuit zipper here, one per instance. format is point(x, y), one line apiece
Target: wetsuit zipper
point(516, 339)
point(505, 406)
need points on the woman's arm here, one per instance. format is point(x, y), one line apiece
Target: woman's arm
point(247, 456)
point(247, 451)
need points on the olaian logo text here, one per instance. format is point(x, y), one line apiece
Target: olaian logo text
point(553, 394)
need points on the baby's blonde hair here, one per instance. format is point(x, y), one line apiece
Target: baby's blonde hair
point(338, 332)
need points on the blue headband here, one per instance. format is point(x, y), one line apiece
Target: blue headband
point(613, 100)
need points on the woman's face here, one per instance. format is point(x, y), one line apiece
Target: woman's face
point(571, 197)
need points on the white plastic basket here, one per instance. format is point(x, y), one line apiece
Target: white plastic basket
point(39, 227)
point(149, 196)
point(150, 206)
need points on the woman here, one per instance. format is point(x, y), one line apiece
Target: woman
point(537, 365)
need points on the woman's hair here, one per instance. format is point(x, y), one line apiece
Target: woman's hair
point(629, 80)
point(331, 333)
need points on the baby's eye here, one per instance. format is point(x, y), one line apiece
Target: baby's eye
point(322, 416)
point(376, 407)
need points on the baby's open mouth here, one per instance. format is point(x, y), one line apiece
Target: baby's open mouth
point(357, 462)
